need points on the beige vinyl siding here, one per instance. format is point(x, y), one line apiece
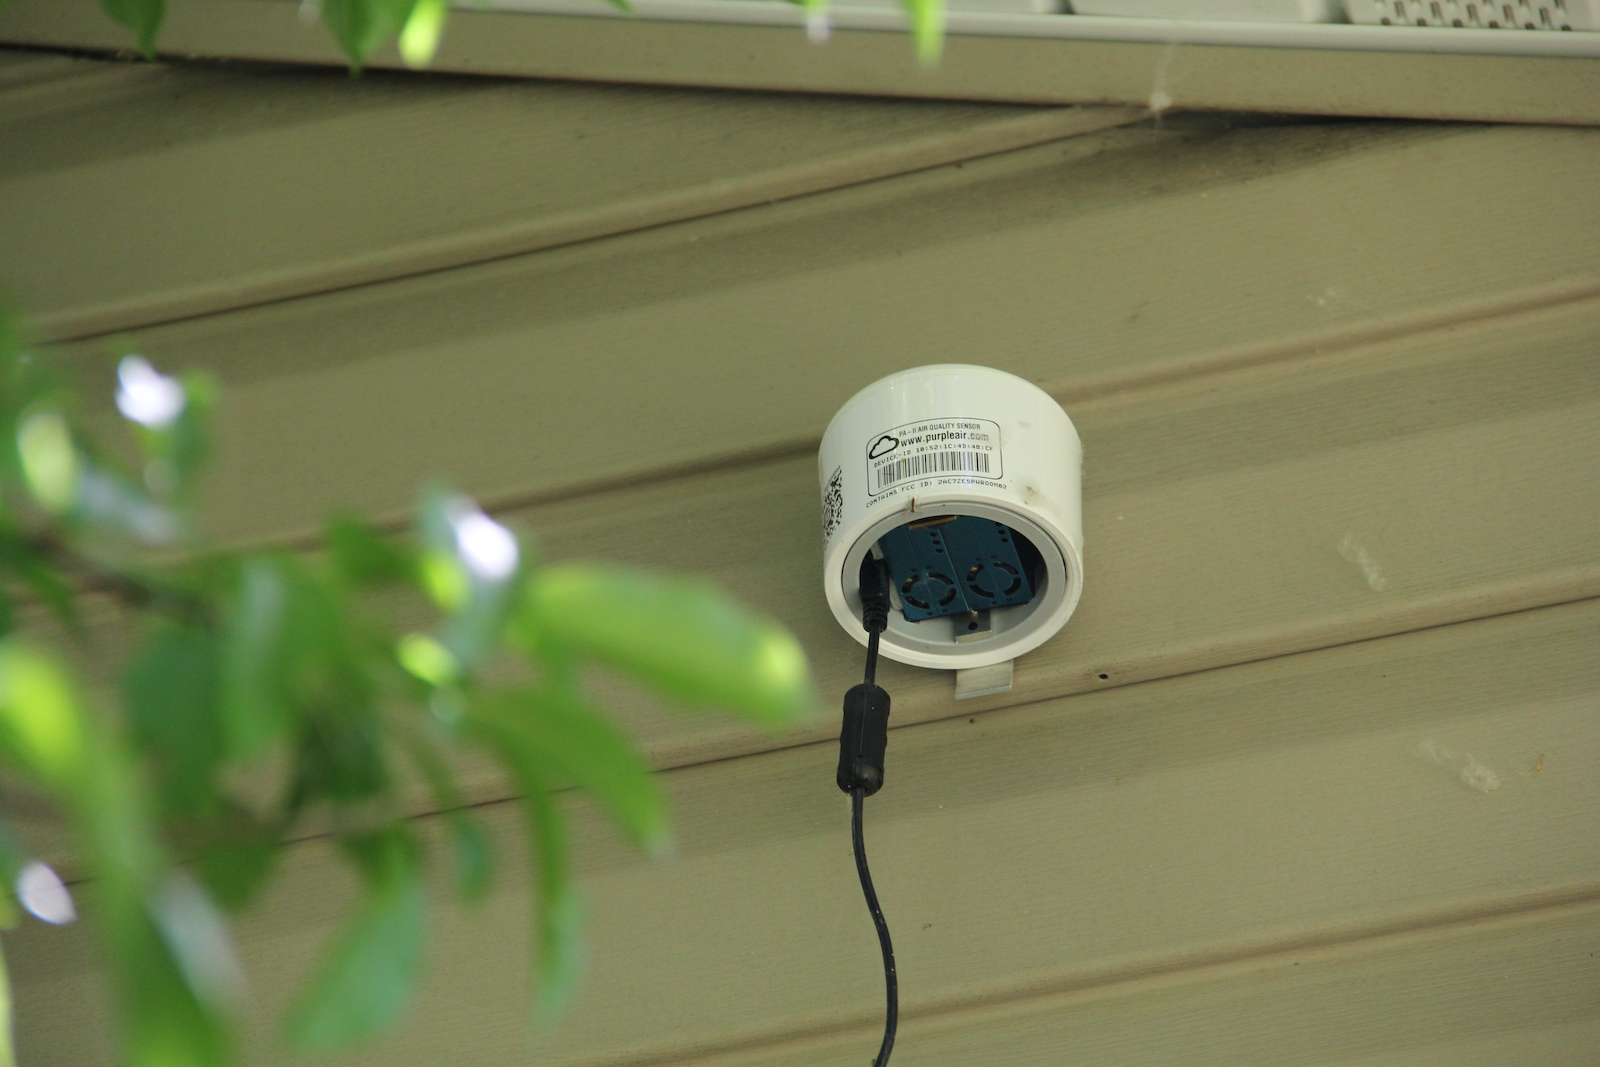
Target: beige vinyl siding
point(1339, 391)
point(405, 178)
point(1157, 842)
point(1114, 260)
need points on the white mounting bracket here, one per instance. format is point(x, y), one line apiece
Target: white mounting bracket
point(983, 681)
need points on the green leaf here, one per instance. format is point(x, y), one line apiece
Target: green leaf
point(419, 40)
point(168, 1017)
point(363, 26)
point(143, 17)
point(443, 580)
point(560, 912)
point(362, 555)
point(254, 657)
point(927, 28)
point(340, 757)
point(366, 981)
point(187, 442)
point(427, 660)
point(165, 1019)
point(49, 460)
point(39, 717)
point(47, 585)
point(562, 733)
point(45, 731)
point(164, 1022)
point(171, 695)
point(197, 938)
point(314, 678)
point(30, 382)
point(683, 638)
point(236, 853)
point(474, 858)
point(559, 916)
point(8, 1056)
point(287, 645)
point(12, 860)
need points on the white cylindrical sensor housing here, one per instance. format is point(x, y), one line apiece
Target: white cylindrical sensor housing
point(968, 480)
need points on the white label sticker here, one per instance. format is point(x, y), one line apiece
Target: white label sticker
point(964, 448)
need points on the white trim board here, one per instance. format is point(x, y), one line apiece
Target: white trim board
point(978, 23)
point(1044, 70)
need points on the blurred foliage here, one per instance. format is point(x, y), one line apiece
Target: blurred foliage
point(271, 695)
point(363, 26)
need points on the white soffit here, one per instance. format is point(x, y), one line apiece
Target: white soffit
point(1022, 18)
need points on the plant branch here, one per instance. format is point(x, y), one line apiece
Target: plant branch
point(135, 591)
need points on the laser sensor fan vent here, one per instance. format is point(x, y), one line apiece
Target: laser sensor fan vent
point(955, 565)
point(966, 481)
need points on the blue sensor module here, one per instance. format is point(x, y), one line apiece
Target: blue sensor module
point(951, 564)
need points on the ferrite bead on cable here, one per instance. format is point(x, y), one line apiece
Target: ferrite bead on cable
point(863, 739)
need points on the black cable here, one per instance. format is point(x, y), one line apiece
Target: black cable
point(863, 739)
point(891, 983)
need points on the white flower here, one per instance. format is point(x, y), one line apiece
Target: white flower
point(40, 890)
point(147, 396)
point(487, 549)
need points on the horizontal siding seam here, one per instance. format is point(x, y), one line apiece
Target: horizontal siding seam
point(487, 244)
point(17, 83)
point(1341, 343)
point(1031, 699)
point(1486, 600)
point(481, 798)
point(1341, 340)
point(1589, 595)
point(1133, 977)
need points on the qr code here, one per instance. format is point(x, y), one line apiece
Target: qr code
point(833, 503)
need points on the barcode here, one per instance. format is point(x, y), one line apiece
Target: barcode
point(931, 463)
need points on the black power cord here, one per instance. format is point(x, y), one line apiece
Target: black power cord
point(862, 742)
point(890, 983)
